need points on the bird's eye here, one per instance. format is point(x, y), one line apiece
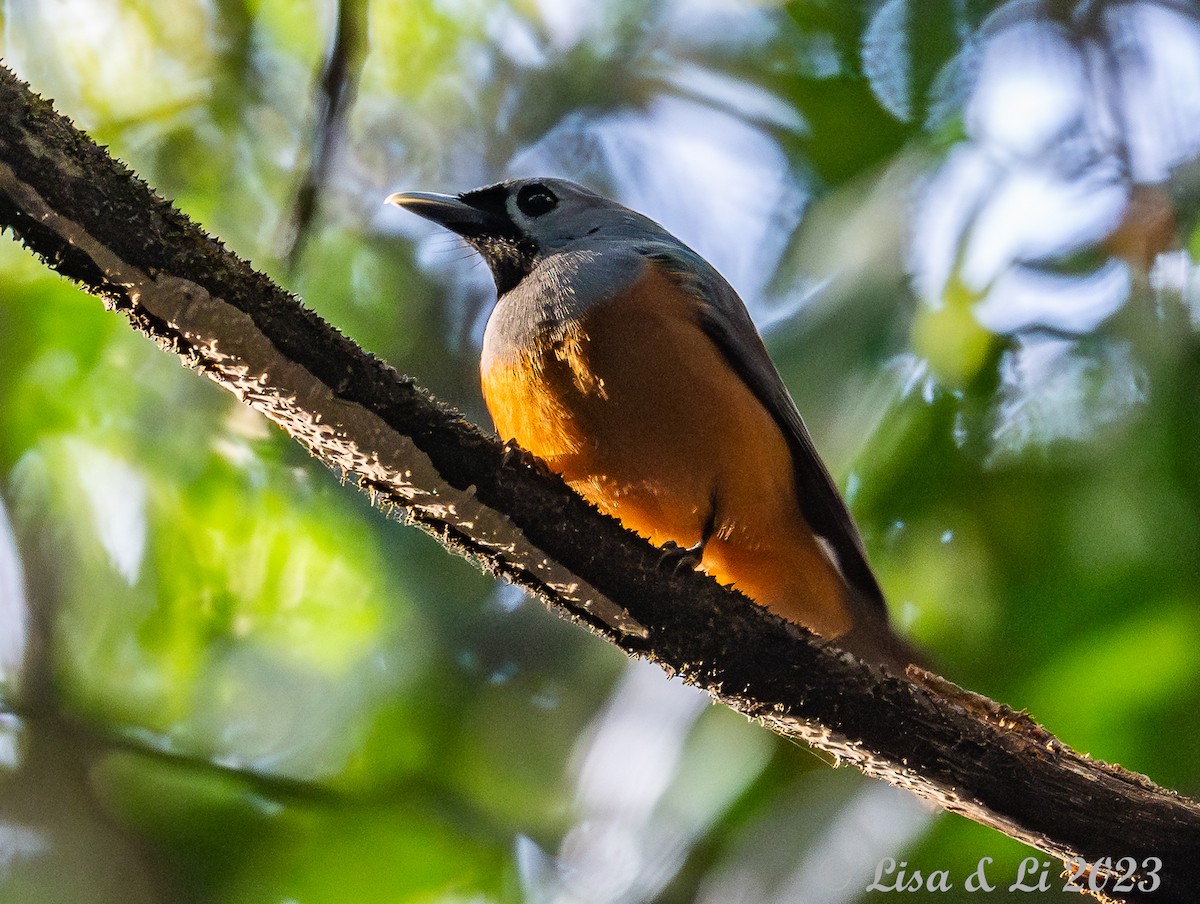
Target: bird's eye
point(535, 199)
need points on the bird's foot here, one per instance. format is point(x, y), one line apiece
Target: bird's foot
point(676, 557)
point(512, 454)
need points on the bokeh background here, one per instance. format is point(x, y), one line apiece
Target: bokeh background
point(968, 231)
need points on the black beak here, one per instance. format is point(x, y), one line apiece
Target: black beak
point(451, 212)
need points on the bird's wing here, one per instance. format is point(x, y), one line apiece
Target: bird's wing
point(725, 319)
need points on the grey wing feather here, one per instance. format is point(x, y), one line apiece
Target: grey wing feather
point(725, 319)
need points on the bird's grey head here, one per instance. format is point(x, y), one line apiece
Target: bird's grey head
point(516, 224)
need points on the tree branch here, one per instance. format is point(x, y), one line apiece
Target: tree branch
point(335, 89)
point(92, 220)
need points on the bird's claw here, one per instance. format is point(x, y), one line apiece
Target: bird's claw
point(676, 557)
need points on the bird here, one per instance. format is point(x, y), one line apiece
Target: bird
point(624, 360)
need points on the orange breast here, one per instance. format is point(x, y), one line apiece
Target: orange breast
point(640, 412)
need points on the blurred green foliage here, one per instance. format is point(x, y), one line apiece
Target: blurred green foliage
point(241, 683)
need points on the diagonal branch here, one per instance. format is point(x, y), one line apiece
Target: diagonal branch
point(93, 221)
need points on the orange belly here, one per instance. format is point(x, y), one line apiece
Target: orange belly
point(640, 412)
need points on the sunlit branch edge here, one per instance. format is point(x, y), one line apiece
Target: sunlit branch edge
point(91, 219)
